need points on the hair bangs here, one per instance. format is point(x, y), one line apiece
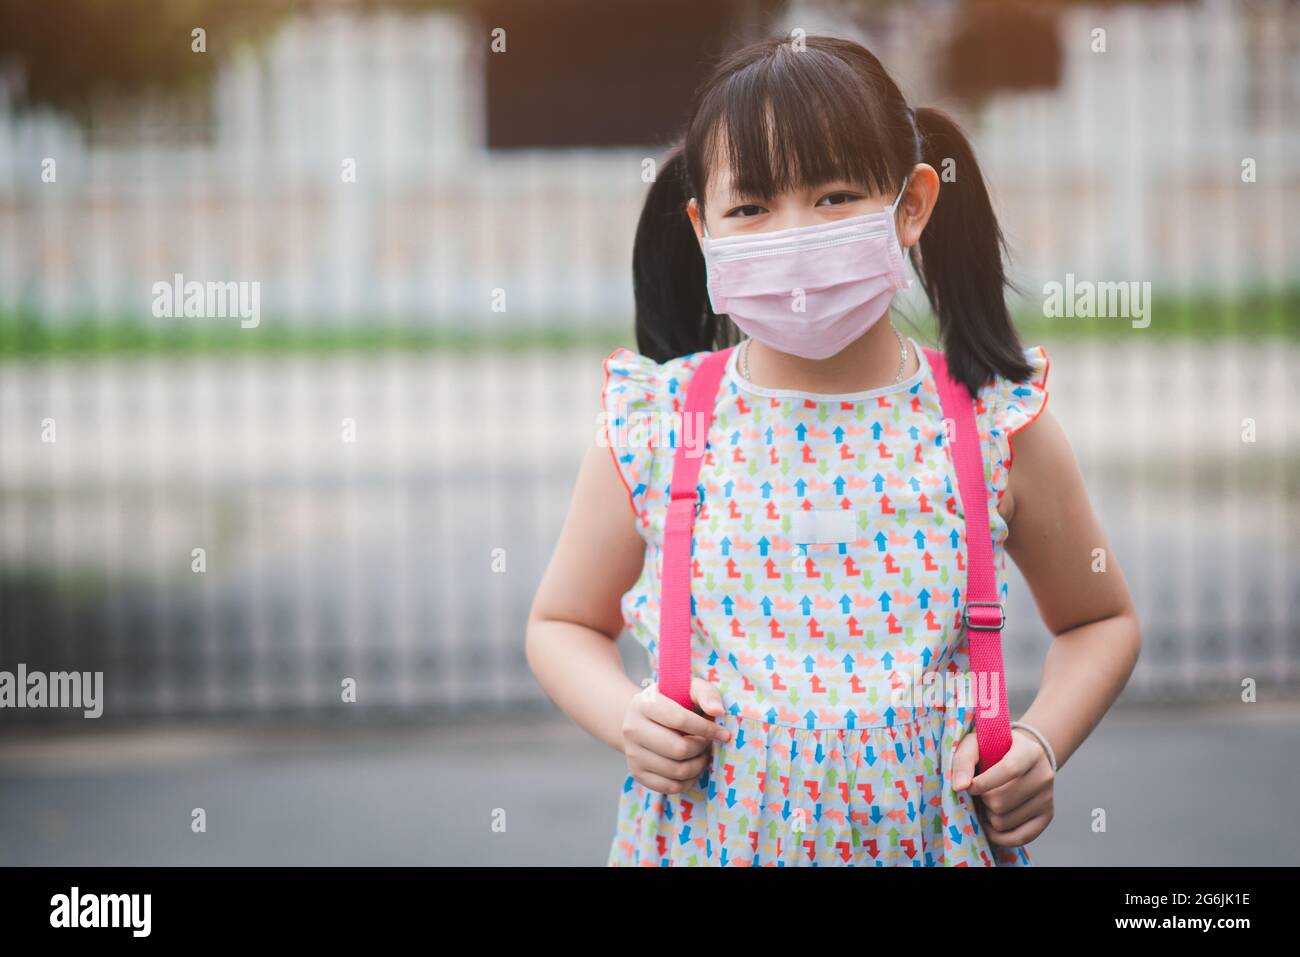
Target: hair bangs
point(794, 120)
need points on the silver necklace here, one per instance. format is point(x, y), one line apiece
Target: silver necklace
point(902, 356)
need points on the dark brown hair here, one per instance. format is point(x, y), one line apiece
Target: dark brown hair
point(797, 118)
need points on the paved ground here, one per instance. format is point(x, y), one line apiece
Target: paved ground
point(1210, 786)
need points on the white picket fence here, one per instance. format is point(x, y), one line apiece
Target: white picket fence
point(407, 559)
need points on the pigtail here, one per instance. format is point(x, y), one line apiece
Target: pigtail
point(960, 262)
point(673, 317)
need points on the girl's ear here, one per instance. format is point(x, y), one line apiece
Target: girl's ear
point(917, 204)
point(693, 211)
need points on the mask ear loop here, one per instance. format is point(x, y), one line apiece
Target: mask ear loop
point(896, 251)
point(893, 207)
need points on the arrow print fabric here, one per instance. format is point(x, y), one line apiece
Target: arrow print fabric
point(839, 656)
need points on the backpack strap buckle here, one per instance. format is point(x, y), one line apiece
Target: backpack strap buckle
point(985, 621)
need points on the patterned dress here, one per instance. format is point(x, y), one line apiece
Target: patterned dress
point(828, 568)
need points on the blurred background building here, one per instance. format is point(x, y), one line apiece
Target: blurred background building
point(522, 169)
point(441, 232)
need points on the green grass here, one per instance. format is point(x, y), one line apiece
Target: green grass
point(1269, 314)
point(26, 336)
point(1260, 314)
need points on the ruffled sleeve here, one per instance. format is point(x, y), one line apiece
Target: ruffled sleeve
point(1006, 407)
point(634, 402)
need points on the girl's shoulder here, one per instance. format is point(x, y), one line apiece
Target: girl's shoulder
point(1004, 407)
point(1014, 404)
point(640, 378)
point(641, 405)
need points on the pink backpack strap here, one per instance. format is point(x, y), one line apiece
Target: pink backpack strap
point(684, 501)
point(983, 614)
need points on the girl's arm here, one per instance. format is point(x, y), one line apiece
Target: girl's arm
point(576, 616)
point(1058, 545)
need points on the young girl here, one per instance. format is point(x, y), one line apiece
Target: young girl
point(819, 593)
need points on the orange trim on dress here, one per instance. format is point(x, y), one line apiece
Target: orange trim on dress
point(1041, 382)
point(609, 443)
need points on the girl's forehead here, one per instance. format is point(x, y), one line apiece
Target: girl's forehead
point(722, 179)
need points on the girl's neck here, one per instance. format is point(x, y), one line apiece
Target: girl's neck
point(869, 362)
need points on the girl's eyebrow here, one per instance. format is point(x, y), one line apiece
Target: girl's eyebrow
point(845, 184)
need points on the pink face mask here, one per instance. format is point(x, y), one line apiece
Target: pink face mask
point(809, 290)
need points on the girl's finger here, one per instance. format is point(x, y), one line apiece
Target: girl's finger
point(706, 697)
point(1021, 835)
point(1008, 819)
point(1013, 764)
point(655, 738)
point(670, 769)
point(664, 710)
point(658, 783)
point(1017, 791)
point(964, 761)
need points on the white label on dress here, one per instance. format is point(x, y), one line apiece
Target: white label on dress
point(823, 526)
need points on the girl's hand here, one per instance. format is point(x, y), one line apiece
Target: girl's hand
point(666, 745)
point(1015, 795)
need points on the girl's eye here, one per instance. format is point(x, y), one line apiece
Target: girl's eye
point(830, 199)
